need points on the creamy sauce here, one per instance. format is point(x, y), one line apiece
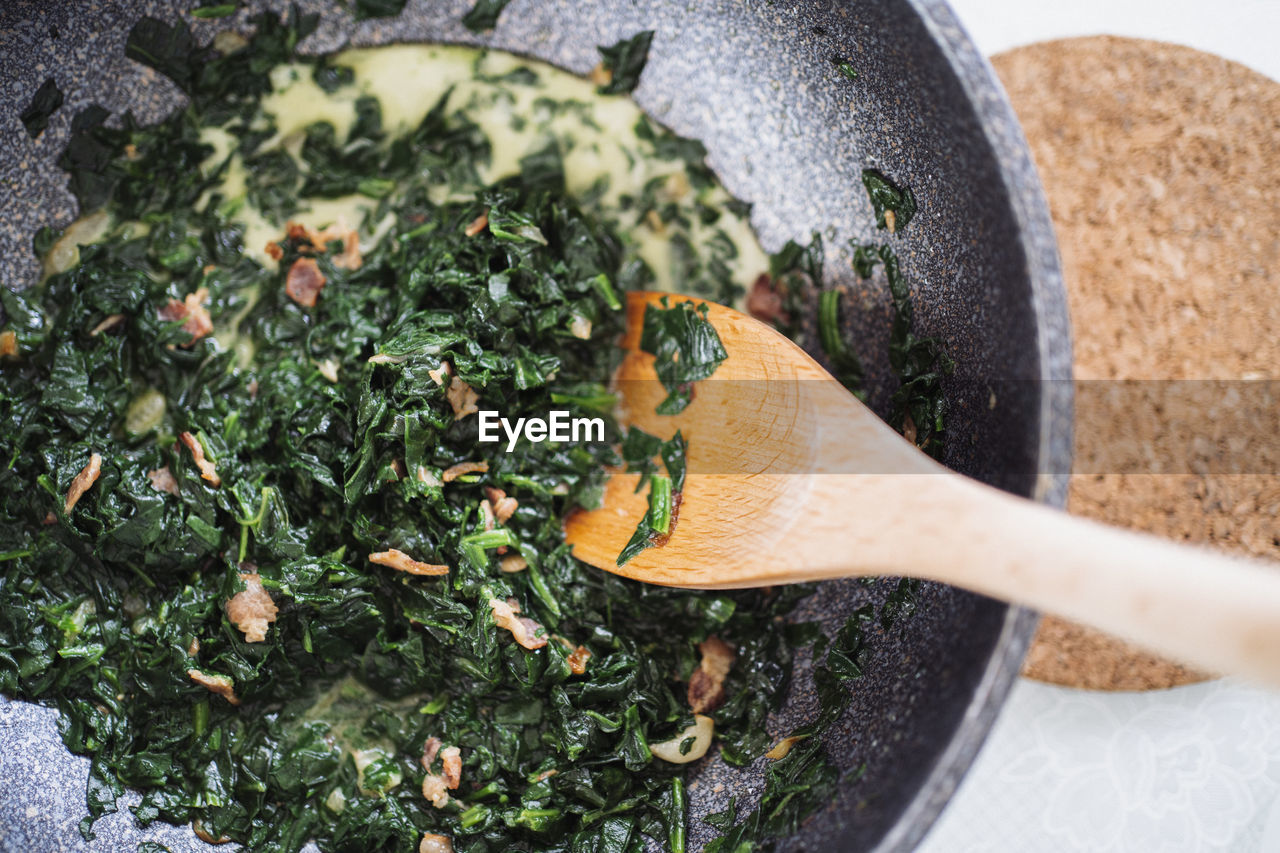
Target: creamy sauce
point(596, 135)
point(345, 708)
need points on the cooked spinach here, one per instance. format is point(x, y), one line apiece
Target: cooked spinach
point(624, 60)
point(639, 450)
point(919, 404)
point(845, 365)
point(685, 346)
point(44, 103)
point(108, 606)
point(363, 9)
point(214, 10)
point(484, 15)
point(845, 67)
point(894, 206)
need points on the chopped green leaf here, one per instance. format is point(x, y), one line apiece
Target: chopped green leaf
point(686, 349)
point(484, 15)
point(624, 60)
point(44, 103)
point(894, 207)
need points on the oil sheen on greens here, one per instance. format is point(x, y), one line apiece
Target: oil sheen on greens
point(105, 609)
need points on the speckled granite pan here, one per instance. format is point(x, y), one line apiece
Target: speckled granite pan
point(755, 82)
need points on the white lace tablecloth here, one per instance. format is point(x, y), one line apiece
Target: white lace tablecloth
point(1195, 768)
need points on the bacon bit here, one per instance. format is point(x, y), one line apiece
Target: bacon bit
point(462, 397)
point(300, 233)
point(435, 790)
point(402, 562)
point(524, 630)
point(513, 563)
point(432, 843)
point(8, 344)
point(350, 259)
point(162, 480)
point(545, 775)
point(477, 225)
point(487, 512)
point(503, 506)
point(429, 750)
point(219, 684)
point(890, 220)
point(600, 75)
point(87, 477)
point(764, 302)
point(426, 478)
point(304, 282)
point(252, 610)
point(109, 322)
point(207, 471)
point(438, 375)
point(131, 151)
point(274, 251)
point(451, 763)
point(203, 834)
point(397, 469)
point(49, 518)
point(706, 687)
point(453, 472)
point(253, 389)
point(197, 322)
point(208, 268)
point(578, 660)
point(194, 648)
point(783, 747)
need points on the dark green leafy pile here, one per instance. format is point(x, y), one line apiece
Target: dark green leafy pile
point(105, 608)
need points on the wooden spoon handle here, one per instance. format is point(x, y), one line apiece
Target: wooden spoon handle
point(1207, 608)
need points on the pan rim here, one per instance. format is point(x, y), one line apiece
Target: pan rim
point(1030, 210)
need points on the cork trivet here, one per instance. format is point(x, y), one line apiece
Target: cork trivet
point(1162, 169)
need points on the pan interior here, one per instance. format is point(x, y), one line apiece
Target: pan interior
point(758, 84)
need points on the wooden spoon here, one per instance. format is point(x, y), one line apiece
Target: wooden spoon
point(759, 510)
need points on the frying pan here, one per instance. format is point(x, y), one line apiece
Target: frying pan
point(756, 82)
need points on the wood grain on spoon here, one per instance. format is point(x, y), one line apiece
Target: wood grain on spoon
point(793, 479)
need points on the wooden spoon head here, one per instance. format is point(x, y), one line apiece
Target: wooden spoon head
point(756, 439)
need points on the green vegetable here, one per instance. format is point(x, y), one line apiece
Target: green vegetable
point(919, 406)
point(686, 348)
point(484, 15)
point(638, 450)
point(217, 10)
point(101, 610)
point(845, 67)
point(844, 362)
point(624, 60)
point(364, 9)
point(886, 197)
point(44, 103)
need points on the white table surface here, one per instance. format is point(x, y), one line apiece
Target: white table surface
point(1195, 768)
